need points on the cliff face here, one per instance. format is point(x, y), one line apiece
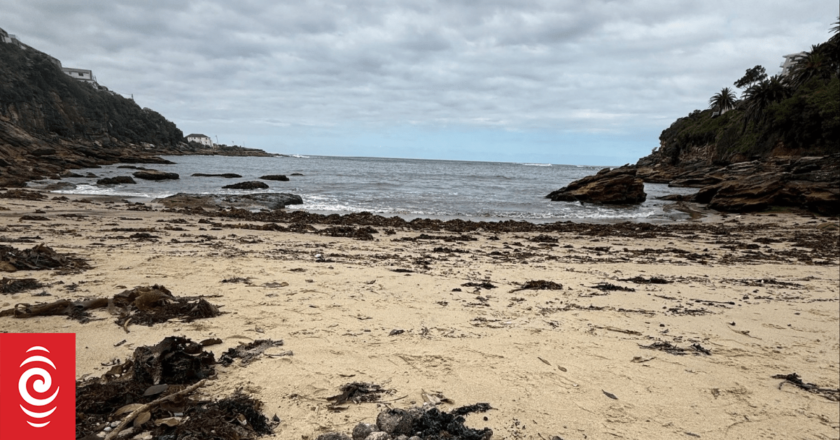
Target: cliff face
point(791, 158)
point(805, 123)
point(38, 97)
point(50, 122)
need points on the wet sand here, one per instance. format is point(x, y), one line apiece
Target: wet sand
point(759, 292)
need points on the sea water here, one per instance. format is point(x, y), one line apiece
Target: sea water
point(409, 188)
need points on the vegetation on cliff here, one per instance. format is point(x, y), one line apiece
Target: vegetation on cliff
point(38, 97)
point(797, 114)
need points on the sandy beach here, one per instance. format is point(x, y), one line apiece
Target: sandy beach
point(737, 299)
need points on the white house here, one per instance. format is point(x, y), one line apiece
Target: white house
point(79, 74)
point(790, 60)
point(201, 139)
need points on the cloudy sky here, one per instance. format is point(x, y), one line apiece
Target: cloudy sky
point(561, 81)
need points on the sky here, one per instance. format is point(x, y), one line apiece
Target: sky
point(563, 82)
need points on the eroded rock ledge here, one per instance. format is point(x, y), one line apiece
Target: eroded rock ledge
point(619, 186)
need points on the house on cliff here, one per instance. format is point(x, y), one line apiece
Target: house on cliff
point(83, 75)
point(790, 60)
point(201, 139)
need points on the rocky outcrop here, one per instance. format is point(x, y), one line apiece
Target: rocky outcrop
point(812, 183)
point(119, 180)
point(277, 177)
point(618, 186)
point(156, 175)
point(224, 175)
point(247, 185)
point(18, 165)
point(215, 201)
point(50, 123)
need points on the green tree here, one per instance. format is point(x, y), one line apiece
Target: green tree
point(723, 100)
point(815, 63)
point(754, 75)
point(760, 96)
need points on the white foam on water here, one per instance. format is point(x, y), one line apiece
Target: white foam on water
point(536, 164)
point(119, 190)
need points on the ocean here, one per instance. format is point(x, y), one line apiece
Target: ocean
point(409, 188)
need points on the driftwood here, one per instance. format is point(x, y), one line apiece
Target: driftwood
point(116, 432)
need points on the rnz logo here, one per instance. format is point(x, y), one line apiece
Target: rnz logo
point(37, 385)
point(42, 385)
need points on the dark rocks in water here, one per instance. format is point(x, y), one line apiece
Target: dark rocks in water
point(277, 177)
point(146, 159)
point(297, 174)
point(619, 186)
point(271, 201)
point(155, 175)
point(59, 186)
point(224, 175)
point(69, 173)
point(676, 198)
point(119, 180)
point(247, 185)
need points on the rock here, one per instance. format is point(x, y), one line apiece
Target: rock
point(362, 431)
point(46, 151)
point(809, 183)
point(59, 186)
point(278, 177)
point(155, 175)
point(378, 436)
point(225, 175)
point(69, 173)
point(395, 422)
point(243, 201)
point(145, 159)
point(617, 187)
point(119, 180)
point(247, 185)
point(296, 174)
point(333, 436)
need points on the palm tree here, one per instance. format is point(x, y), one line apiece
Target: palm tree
point(723, 101)
point(813, 64)
point(760, 96)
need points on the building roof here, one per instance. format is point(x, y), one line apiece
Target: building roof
point(194, 135)
point(73, 69)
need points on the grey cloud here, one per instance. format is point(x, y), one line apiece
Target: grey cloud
point(514, 64)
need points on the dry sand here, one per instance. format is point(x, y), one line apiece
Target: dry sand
point(544, 359)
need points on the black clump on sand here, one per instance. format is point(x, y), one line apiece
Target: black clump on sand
point(11, 285)
point(40, 257)
point(438, 425)
point(145, 305)
point(167, 368)
point(539, 285)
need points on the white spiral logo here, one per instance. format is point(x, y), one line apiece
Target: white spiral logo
point(41, 385)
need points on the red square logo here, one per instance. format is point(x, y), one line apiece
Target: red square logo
point(37, 386)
